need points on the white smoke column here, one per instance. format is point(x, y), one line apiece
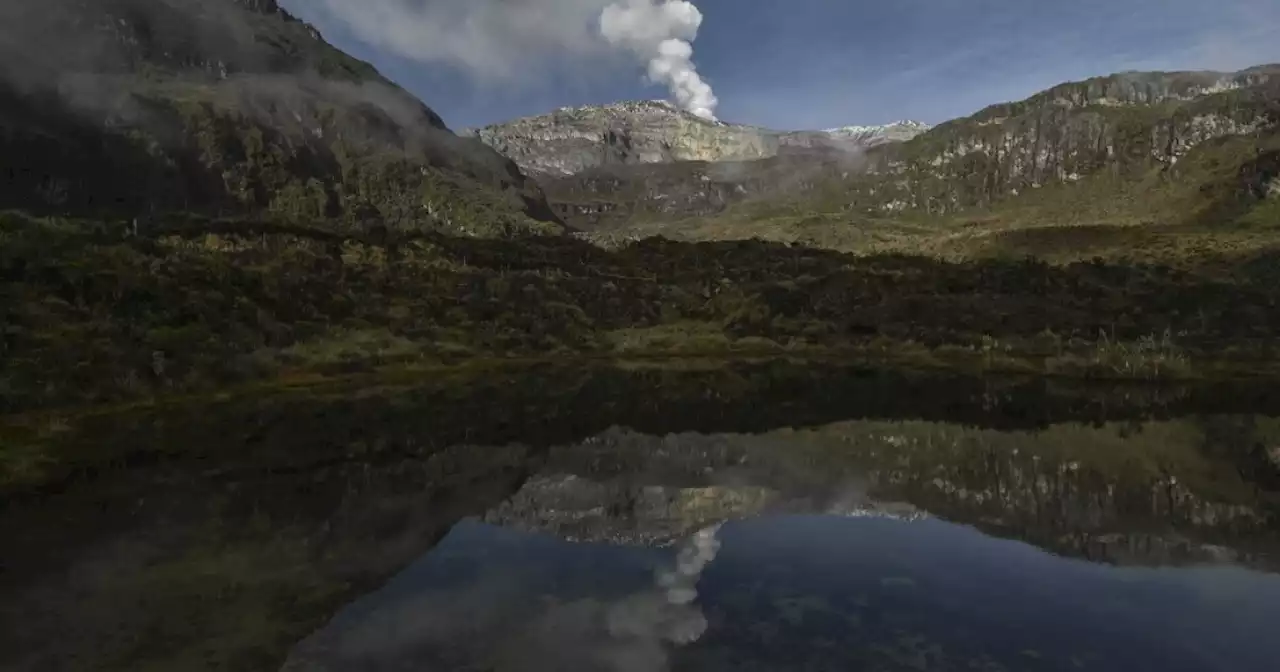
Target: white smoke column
point(698, 552)
point(669, 613)
point(661, 32)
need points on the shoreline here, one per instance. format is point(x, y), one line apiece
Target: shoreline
point(1074, 366)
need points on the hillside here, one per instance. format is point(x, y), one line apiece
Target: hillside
point(216, 197)
point(1123, 125)
point(269, 329)
point(100, 316)
point(228, 107)
point(1189, 149)
point(572, 140)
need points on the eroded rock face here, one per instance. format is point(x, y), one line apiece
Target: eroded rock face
point(572, 140)
point(605, 167)
point(1126, 123)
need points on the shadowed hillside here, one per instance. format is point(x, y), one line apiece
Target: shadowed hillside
point(95, 313)
point(228, 107)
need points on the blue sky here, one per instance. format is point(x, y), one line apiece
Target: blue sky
point(791, 64)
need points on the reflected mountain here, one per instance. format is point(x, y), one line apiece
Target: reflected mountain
point(217, 534)
point(1152, 493)
point(789, 592)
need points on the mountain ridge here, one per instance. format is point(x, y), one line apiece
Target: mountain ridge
point(1207, 138)
point(244, 202)
point(229, 108)
point(571, 140)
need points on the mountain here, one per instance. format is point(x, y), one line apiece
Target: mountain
point(231, 108)
point(1124, 124)
point(624, 487)
point(898, 131)
point(574, 139)
point(1194, 148)
point(208, 194)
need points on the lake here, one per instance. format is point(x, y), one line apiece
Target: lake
point(767, 515)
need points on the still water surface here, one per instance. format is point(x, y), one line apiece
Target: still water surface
point(766, 517)
point(777, 552)
point(798, 593)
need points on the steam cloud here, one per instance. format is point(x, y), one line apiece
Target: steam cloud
point(518, 43)
point(661, 32)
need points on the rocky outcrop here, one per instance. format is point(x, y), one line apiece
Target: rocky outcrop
point(228, 107)
point(572, 140)
point(1118, 127)
point(870, 136)
point(1124, 124)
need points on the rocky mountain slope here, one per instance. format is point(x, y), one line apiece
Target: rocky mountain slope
point(1203, 143)
point(623, 487)
point(228, 107)
point(1123, 124)
point(574, 139)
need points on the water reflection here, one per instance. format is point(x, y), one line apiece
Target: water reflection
point(492, 598)
point(875, 581)
point(547, 512)
point(798, 593)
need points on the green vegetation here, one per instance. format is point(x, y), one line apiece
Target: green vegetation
point(236, 159)
point(252, 307)
point(1218, 201)
point(229, 109)
point(269, 209)
point(95, 313)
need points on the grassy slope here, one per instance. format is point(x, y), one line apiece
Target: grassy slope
point(1202, 208)
point(94, 313)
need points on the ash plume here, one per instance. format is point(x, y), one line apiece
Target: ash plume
point(661, 33)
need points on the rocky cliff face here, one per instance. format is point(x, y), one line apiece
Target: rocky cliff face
point(1123, 124)
point(572, 140)
point(1118, 128)
point(227, 107)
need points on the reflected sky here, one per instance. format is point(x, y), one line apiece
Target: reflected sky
point(799, 592)
point(561, 521)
